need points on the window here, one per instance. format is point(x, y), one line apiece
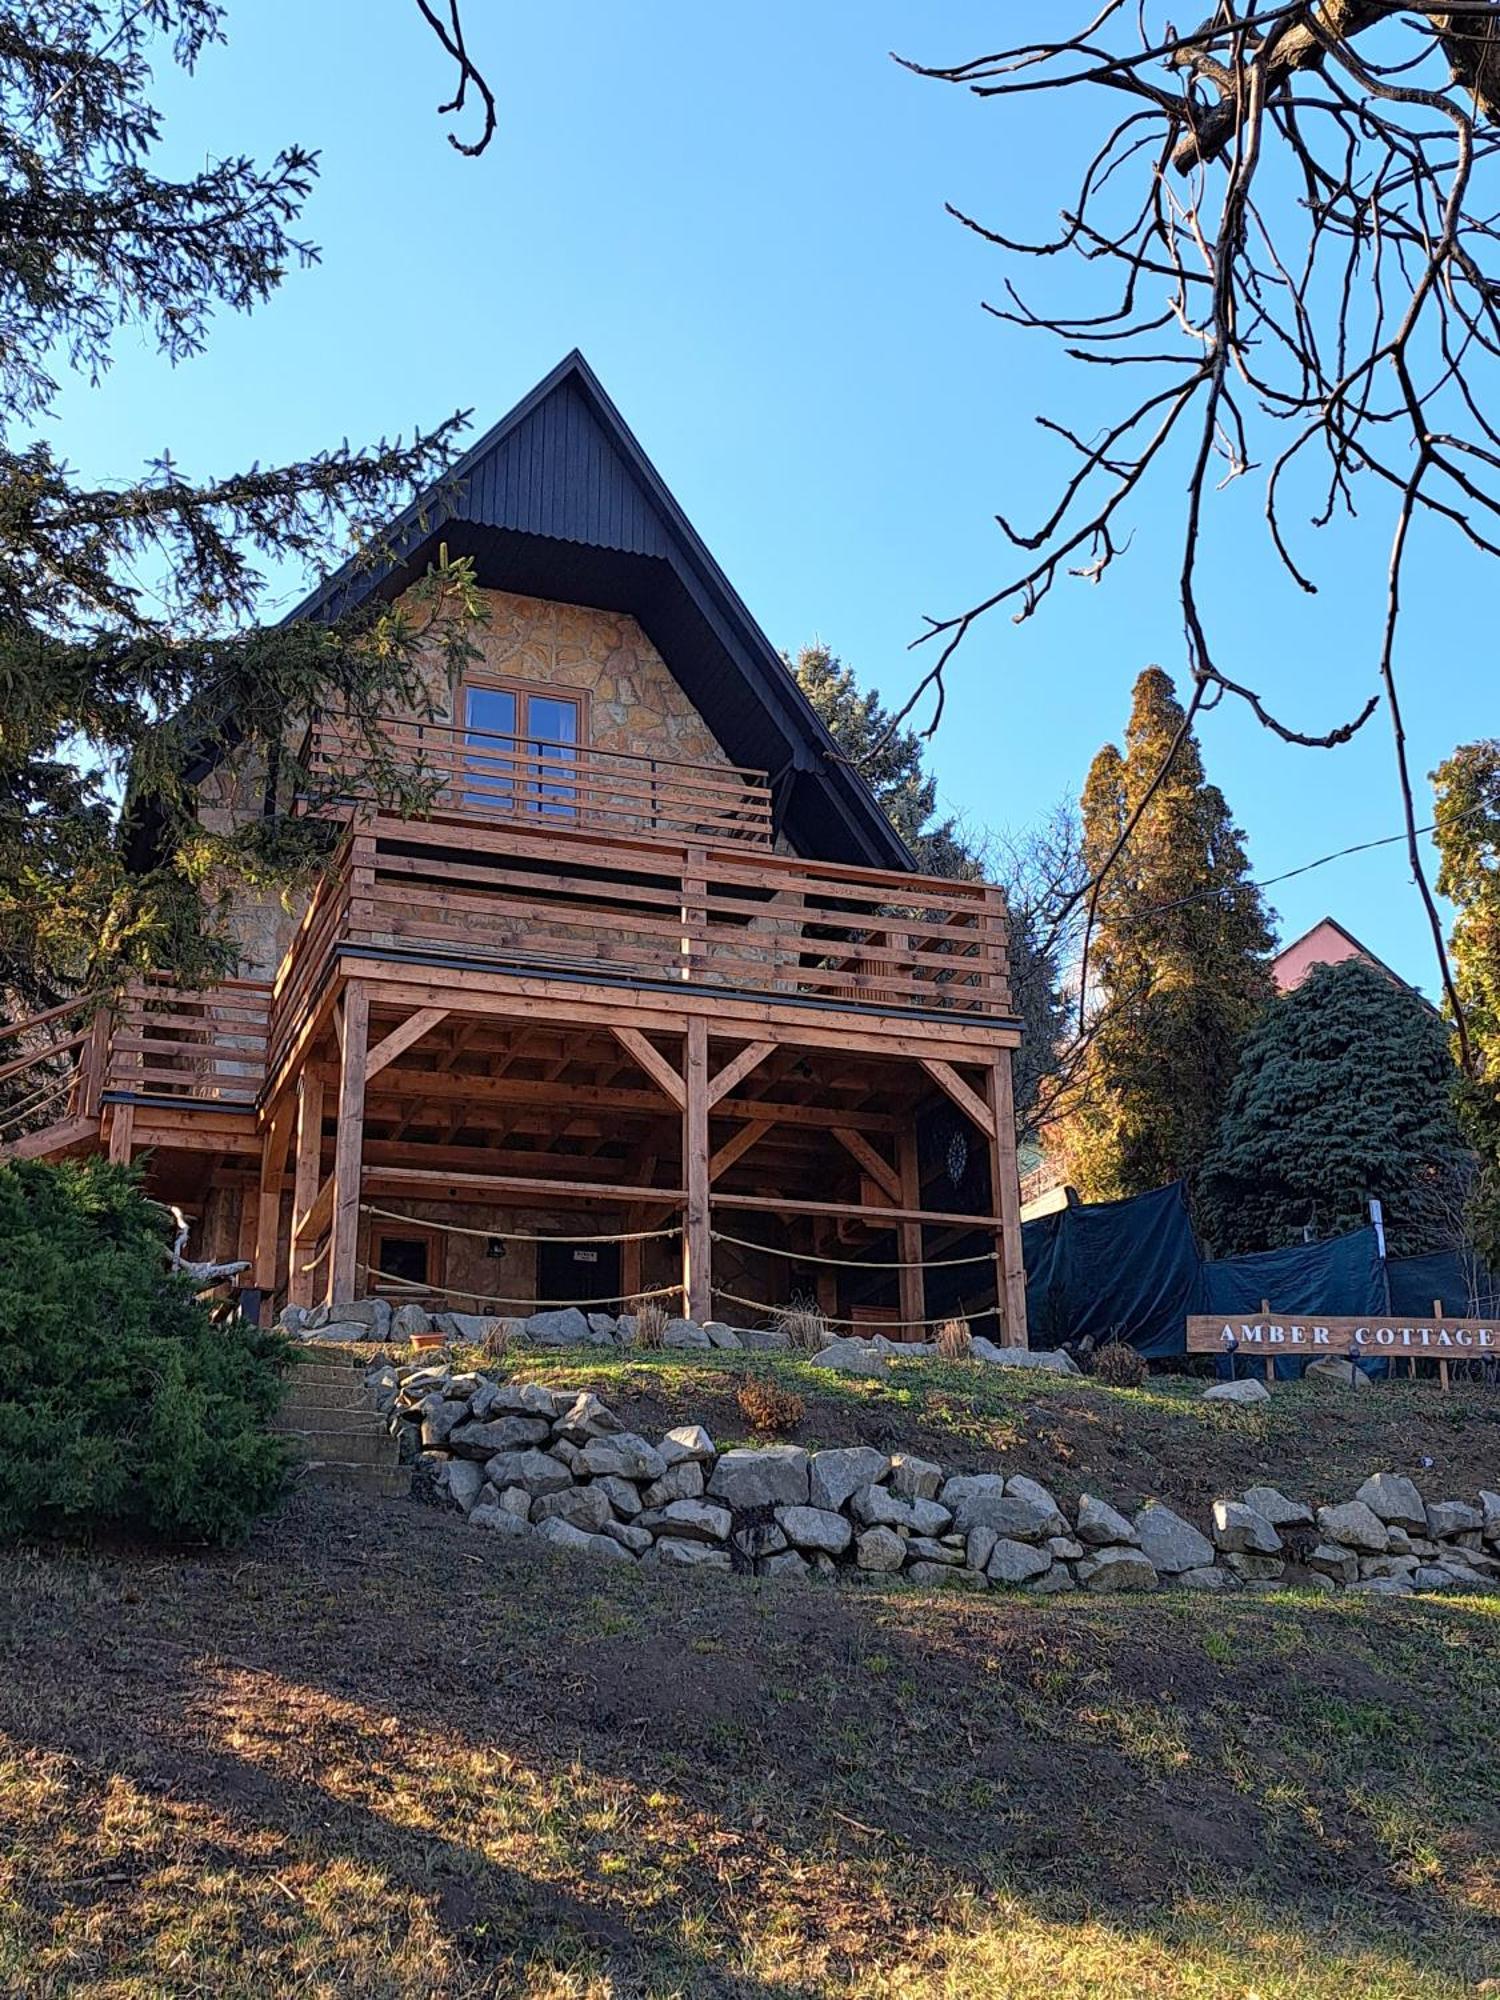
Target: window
point(518, 745)
point(412, 1259)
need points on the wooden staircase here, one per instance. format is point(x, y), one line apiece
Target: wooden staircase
point(337, 1435)
point(52, 1107)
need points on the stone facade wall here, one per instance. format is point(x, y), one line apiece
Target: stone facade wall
point(633, 700)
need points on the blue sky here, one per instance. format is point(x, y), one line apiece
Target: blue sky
point(737, 213)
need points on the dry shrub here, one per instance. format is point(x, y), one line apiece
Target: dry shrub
point(496, 1341)
point(767, 1407)
point(1118, 1365)
point(650, 1317)
point(954, 1341)
point(804, 1326)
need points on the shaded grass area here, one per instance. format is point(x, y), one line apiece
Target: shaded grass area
point(1161, 1441)
point(377, 1754)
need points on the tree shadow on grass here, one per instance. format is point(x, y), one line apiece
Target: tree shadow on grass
point(669, 1765)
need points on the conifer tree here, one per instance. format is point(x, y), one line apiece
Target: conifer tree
point(1178, 964)
point(1343, 1093)
point(1468, 842)
point(130, 640)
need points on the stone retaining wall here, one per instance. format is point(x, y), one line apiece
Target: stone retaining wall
point(522, 1460)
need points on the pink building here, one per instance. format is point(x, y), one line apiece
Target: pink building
point(1327, 943)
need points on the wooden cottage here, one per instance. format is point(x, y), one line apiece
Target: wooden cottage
point(652, 1001)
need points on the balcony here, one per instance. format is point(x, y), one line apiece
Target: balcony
point(486, 777)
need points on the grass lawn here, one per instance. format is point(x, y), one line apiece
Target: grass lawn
point(376, 1754)
point(1161, 1441)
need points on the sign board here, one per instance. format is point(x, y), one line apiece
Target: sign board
point(1268, 1337)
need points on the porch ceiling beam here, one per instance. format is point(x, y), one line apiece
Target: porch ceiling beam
point(732, 1149)
point(736, 1071)
point(880, 1171)
point(969, 1102)
point(656, 1066)
point(400, 1039)
point(438, 1086)
point(873, 1218)
point(429, 1182)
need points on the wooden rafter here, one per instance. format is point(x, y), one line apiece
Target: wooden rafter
point(648, 1058)
point(969, 1102)
point(411, 1031)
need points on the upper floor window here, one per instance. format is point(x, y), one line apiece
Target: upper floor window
point(520, 745)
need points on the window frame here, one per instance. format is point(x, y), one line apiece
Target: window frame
point(503, 792)
point(408, 1232)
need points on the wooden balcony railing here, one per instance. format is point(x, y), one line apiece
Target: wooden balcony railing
point(631, 911)
point(484, 776)
point(208, 1046)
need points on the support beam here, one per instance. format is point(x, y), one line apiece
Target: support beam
point(881, 1172)
point(732, 1149)
point(301, 1284)
point(1005, 1186)
point(697, 1238)
point(735, 1072)
point(912, 1278)
point(121, 1134)
point(400, 1039)
point(968, 1101)
point(656, 1066)
point(348, 1154)
point(273, 1152)
point(632, 1260)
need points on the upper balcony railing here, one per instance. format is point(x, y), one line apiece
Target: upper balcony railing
point(205, 1045)
point(479, 774)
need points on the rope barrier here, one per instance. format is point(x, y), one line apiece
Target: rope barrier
point(830, 1319)
point(857, 1263)
point(510, 1299)
point(516, 1235)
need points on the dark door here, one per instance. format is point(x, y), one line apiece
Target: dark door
point(579, 1271)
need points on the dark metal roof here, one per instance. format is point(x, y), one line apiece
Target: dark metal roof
point(559, 500)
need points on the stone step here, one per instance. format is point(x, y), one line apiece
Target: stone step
point(325, 1395)
point(325, 1371)
point(345, 1446)
point(378, 1482)
point(361, 1423)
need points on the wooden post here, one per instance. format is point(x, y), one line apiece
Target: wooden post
point(95, 1064)
point(1267, 1362)
point(697, 1242)
point(348, 1151)
point(912, 1287)
point(1437, 1313)
point(122, 1135)
point(632, 1261)
point(301, 1284)
point(273, 1152)
point(694, 941)
point(1005, 1185)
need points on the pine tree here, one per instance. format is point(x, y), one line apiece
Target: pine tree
point(129, 636)
point(1468, 843)
point(1178, 965)
point(1343, 1093)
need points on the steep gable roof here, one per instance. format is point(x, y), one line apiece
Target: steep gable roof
point(559, 500)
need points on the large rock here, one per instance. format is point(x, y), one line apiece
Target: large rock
point(585, 1418)
point(787, 1564)
point(520, 1399)
point(623, 1497)
point(1354, 1526)
point(687, 1442)
point(679, 1553)
point(1247, 1389)
point(564, 1327)
point(465, 1483)
point(1446, 1518)
point(625, 1455)
point(685, 1333)
point(851, 1357)
point(535, 1472)
point(1341, 1374)
point(775, 1476)
point(1051, 1361)
point(721, 1334)
point(765, 1339)
point(1210, 1577)
point(440, 1415)
point(683, 1481)
point(605, 1324)
point(1019, 1487)
point(697, 1520)
point(1116, 1569)
point(880, 1549)
point(1016, 1562)
point(979, 1500)
point(815, 1528)
point(915, 1478)
point(878, 1507)
point(629, 1536)
point(499, 1521)
point(562, 1535)
point(500, 1434)
point(1100, 1525)
point(1331, 1559)
point(1171, 1544)
point(410, 1320)
point(584, 1507)
point(1395, 1500)
point(1241, 1530)
point(836, 1475)
point(480, 1329)
point(1490, 1506)
point(1277, 1508)
point(943, 1576)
